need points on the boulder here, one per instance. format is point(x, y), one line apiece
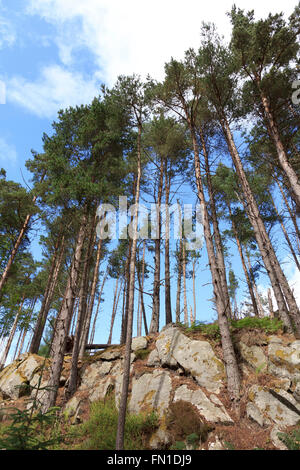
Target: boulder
point(151, 392)
point(253, 356)
point(284, 360)
point(196, 357)
point(268, 406)
point(16, 377)
point(140, 342)
point(211, 408)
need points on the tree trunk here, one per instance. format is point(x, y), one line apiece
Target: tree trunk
point(185, 307)
point(141, 295)
point(168, 309)
point(179, 276)
point(232, 372)
point(11, 335)
point(126, 367)
point(82, 311)
point(51, 284)
point(64, 321)
point(278, 280)
point(87, 323)
point(271, 309)
point(217, 236)
point(17, 244)
point(282, 156)
point(292, 215)
point(286, 234)
point(249, 283)
point(98, 306)
point(154, 325)
point(113, 314)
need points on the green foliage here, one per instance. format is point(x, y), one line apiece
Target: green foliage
point(291, 439)
point(99, 432)
point(29, 431)
point(211, 330)
point(142, 353)
point(269, 325)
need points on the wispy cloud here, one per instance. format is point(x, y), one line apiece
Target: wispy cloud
point(135, 36)
point(7, 32)
point(8, 153)
point(56, 88)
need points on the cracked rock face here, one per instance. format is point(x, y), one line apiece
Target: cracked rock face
point(268, 406)
point(18, 374)
point(151, 392)
point(211, 409)
point(196, 357)
point(284, 360)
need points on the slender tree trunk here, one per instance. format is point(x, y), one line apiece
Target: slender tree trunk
point(154, 325)
point(11, 335)
point(82, 311)
point(278, 280)
point(141, 298)
point(286, 234)
point(232, 372)
point(126, 367)
point(16, 247)
point(292, 215)
point(179, 277)
point(127, 274)
point(271, 309)
point(26, 329)
point(185, 307)
point(86, 327)
point(143, 304)
point(113, 314)
point(194, 288)
point(282, 156)
point(64, 321)
point(51, 284)
point(249, 283)
point(217, 236)
point(168, 309)
point(258, 301)
point(98, 307)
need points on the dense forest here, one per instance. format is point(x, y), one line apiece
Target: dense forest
point(220, 132)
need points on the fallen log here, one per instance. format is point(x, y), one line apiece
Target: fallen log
point(99, 346)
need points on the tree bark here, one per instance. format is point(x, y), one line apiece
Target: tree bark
point(278, 280)
point(168, 309)
point(126, 367)
point(249, 283)
point(51, 284)
point(154, 325)
point(11, 335)
point(64, 321)
point(282, 156)
point(17, 244)
point(179, 276)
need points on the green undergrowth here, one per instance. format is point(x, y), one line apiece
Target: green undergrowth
point(99, 431)
point(212, 330)
point(291, 439)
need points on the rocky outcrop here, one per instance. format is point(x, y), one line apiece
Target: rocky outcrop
point(178, 369)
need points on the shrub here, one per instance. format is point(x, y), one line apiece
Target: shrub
point(99, 431)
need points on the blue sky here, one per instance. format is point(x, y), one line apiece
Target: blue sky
point(56, 53)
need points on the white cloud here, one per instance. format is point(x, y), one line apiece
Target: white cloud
point(7, 32)
point(54, 89)
point(138, 36)
point(8, 153)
